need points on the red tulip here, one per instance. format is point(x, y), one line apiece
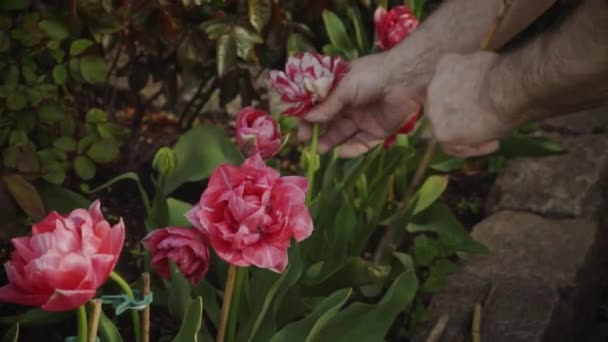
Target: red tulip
point(308, 79)
point(257, 132)
point(393, 26)
point(64, 262)
point(185, 247)
point(406, 129)
point(250, 213)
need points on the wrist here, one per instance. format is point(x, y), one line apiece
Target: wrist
point(406, 69)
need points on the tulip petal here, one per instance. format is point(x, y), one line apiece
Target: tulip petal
point(13, 294)
point(64, 300)
point(266, 256)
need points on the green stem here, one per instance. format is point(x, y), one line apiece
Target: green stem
point(312, 165)
point(241, 273)
point(122, 283)
point(226, 304)
point(81, 318)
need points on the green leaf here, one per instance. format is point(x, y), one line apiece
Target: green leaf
point(93, 69)
point(338, 36)
point(61, 199)
point(518, 145)
point(104, 151)
point(26, 196)
point(96, 115)
point(177, 213)
point(265, 324)
point(9, 5)
point(84, 167)
point(12, 335)
point(36, 318)
point(298, 331)
point(425, 250)
point(259, 13)
point(226, 53)
point(352, 271)
point(191, 324)
point(65, 143)
point(360, 32)
point(50, 113)
point(199, 152)
point(54, 29)
point(108, 332)
point(369, 322)
point(60, 74)
point(79, 46)
point(429, 192)
point(179, 294)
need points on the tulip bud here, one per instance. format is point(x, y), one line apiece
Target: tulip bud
point(257, 132)
point(164, 161)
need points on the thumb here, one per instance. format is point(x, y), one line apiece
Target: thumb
point(329, 108)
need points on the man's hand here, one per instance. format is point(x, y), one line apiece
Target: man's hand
point(366, 107)
point(464, 108)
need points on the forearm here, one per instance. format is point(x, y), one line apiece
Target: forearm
point(561, 71)
point(458, 26)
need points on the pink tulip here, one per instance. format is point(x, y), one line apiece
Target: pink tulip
point(308, 79)
point(393, 26)
point(406, 129)
point(64, 262)
point(257, 132)
point(250, 213)
point(185, 247)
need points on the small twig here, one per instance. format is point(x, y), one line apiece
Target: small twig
point(190, 103)
point(94, 319)
point(204, 99)
point(476, 324)
point(438, 329)
point(145, 314)
point(106, 84)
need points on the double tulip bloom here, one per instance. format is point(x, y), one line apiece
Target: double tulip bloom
point(257, 132)
point(307, 80)
point(394, 25)
point(64, 262)
point(250, 214)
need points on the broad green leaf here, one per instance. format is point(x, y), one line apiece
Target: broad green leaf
point(353, 271)
point(299, 330)
point(425, 250)
point(369, 322)
point(210, 298)
point(36, 318)
point(104, 151)
point(437, 278)
point(67, 144)
point(79, 46)
point(93, 69)
point(61, 199)
point(259, 13)
point(265, 324)
point(179, 294)
point(177, 214)
point(9, 5)
point(54, 29)
point(50, 113)
point(429, 192)
point(96, 115)
point(84, 167)
point(108, 332)
point(226, 53)
point(360, 32)
point(26, 196)
point(12, 335)
point(338, 35)
point(60, 74)
point(191, 324)
point(518, 145)
point(199, 152)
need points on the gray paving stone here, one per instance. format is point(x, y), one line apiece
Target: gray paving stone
point(566, 185)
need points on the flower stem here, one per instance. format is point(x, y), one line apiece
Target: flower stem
point(122, 283)
point(241, 273)
point(228, 295)
point(313, 164)
point(81, 318)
